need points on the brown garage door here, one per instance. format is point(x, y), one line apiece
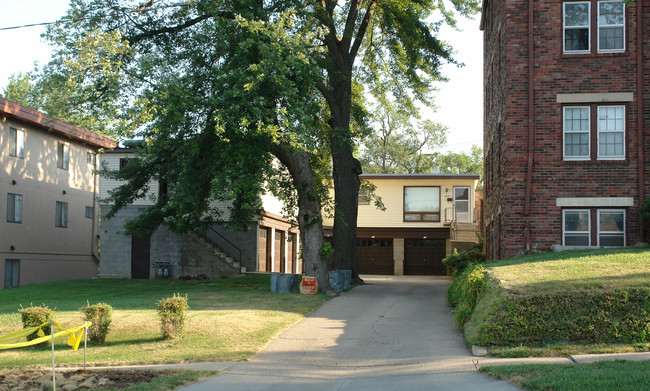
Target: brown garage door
point(264, 252)
point(424, 257)
point(375, 256)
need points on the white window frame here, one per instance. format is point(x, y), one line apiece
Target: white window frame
point(62, 156)
point(564, 232)
point(17, 143)
point(564, 133)
point(61, 215)
point(364, 196)
point(622, 26)
point(91, 158)
point(565, 28)
point(599, 131)
point(17, 208)
point(601, 211)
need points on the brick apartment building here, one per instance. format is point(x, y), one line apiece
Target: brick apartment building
point(566, 107)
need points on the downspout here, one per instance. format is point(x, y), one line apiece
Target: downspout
point(639, 111)
point(531, 123)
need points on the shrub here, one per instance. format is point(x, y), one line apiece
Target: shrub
point(586, 316)
point(36, 316)
point(172, 315)
point(101, 315)
point(455, 263)
point(465, 291)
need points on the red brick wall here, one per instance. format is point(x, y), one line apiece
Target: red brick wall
point(507, 118)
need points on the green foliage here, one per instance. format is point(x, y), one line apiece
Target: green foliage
point(465, 290)
point(35, 316)
point(101, 315)
point(588, 316)
point(645, 211)
point(326, 250)
point(462, 163)
point(172, 315)
point(455, 263)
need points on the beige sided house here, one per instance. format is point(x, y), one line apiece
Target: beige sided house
point(48, 186)
point(268, 244)
point(426, 217)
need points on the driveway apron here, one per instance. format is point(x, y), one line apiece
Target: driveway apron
point(395, 333)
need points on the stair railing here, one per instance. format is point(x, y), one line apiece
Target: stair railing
point(226, 240)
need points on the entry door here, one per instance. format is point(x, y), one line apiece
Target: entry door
point(140, 251)
point(461, 202)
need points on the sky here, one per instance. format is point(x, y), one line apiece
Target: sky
point(459, 101)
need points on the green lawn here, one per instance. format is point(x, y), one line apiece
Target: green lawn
point(600, 376)
point(228, 319)
point(571, 270)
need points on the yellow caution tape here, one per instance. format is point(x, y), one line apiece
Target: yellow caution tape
point(73, 340)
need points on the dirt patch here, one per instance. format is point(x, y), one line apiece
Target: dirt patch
point(41, 380)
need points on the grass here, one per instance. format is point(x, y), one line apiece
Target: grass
point(572, 270)
point(167, 381)
point(600, 376)
point(564, 350)
point(228, 319)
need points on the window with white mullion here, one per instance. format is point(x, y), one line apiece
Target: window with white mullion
point(576, 128)
point(576, 18)
point(611, 26)
point(611, 132)
point(576, 227)
point(611, 228)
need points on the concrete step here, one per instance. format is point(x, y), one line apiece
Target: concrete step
point(243, 269)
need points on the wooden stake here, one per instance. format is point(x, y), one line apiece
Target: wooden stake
point(53, 371)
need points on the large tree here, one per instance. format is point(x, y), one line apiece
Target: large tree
point(217, 87)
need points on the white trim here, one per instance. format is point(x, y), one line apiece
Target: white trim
point(588, 232)
point(609, 26)
point(564, 28)
point(587, 202)
point(599, 131)
point(599, 212)
point(564, 133)
point(595, 98)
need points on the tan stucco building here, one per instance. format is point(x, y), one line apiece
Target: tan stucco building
point(48, 188)
point(426, 216)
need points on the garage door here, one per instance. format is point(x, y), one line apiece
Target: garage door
point(424, 257)
point(375, 256)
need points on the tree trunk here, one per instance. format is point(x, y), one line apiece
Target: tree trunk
point(346, 171)
point(310, 220)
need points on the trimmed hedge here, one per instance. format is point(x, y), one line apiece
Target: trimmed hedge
point(588, 316)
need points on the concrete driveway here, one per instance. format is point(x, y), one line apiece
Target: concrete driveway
point(395, 333)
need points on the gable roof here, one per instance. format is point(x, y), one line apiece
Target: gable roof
point(34, 117)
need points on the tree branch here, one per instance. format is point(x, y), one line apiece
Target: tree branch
point(362, 30)
point(180, 27)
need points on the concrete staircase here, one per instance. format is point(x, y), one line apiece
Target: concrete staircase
point(464, 232)
point(221, 255)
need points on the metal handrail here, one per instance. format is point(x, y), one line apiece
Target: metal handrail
point(227, 241)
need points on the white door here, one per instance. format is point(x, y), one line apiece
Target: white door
point(461, 203)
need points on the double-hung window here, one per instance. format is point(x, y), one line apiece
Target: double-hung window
point(577, 227)
point(577, 32)
point(16, 143)
point(14, 208)
point(576, 133)
point(611, 26)
point(422, 203)
point(611, 132)
point(609, 23)
point(603, 139)
point(62, 155)
point(587, 227)
point(611, 228)
point(61, 218)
